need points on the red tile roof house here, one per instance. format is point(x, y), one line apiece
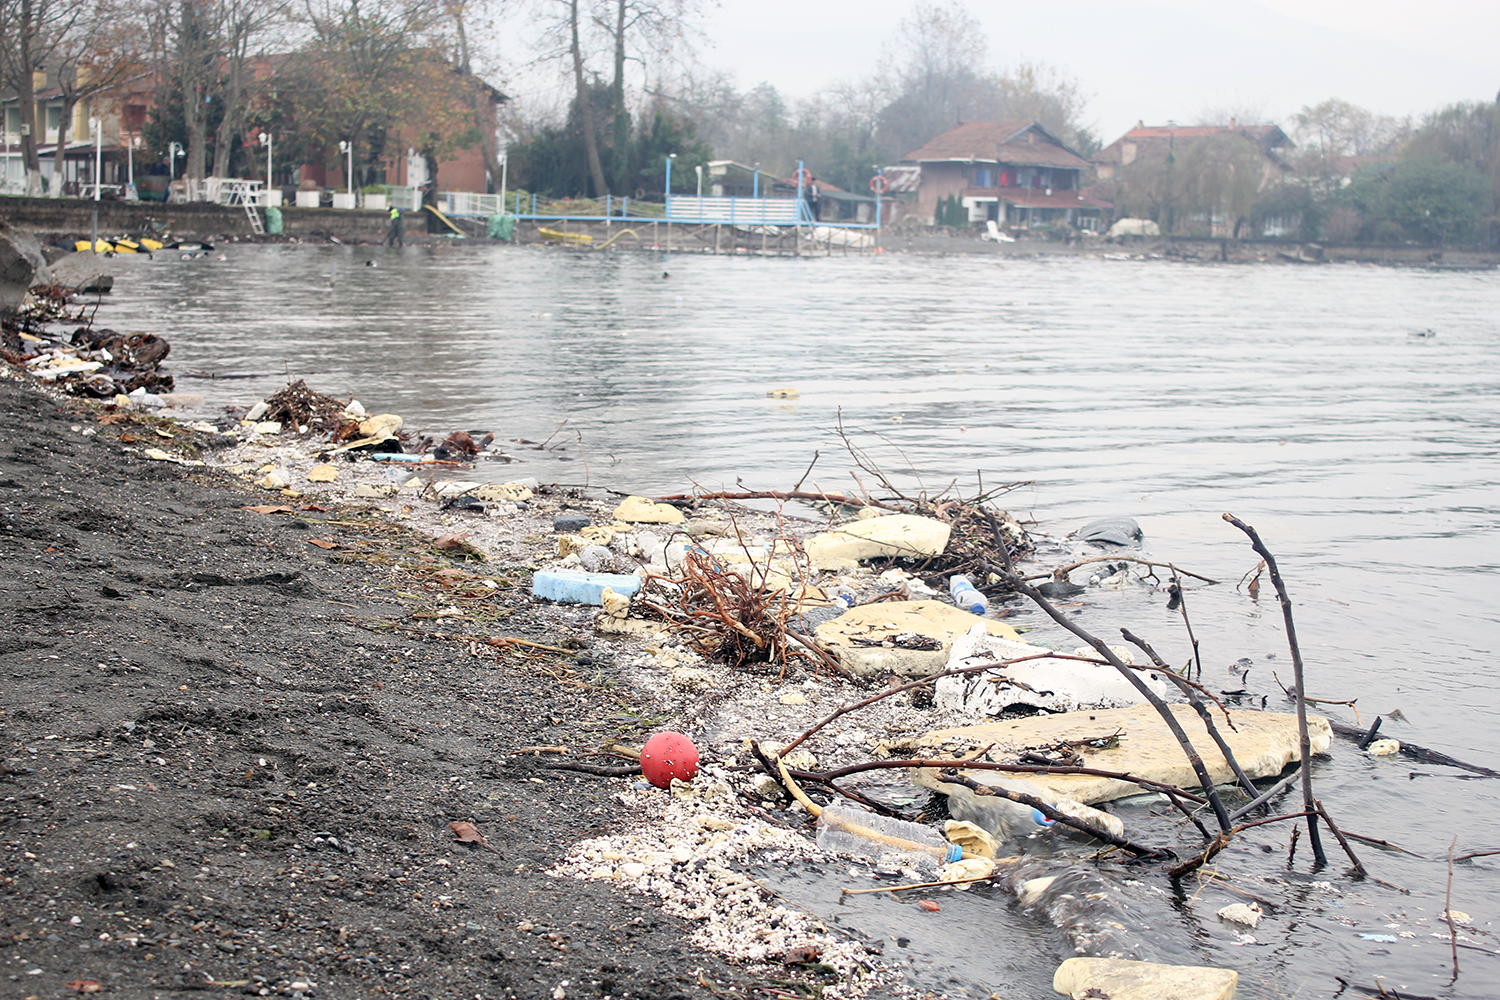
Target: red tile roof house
point(1146, 150)
point(1014, 173)
point(1154, 141)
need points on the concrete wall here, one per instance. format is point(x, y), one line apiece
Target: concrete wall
point(939, 180)
point(48, 216)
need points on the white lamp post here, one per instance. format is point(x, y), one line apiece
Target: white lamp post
point(269, 140)
point(98, 128)
point(174, 150)
point(504, 176)
point(699, 170)
point(347, 148)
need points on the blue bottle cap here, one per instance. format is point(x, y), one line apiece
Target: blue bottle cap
point(955, 853)
point(1041, 820)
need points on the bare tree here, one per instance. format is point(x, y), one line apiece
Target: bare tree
point(940, 59)
point(187, 46)
point(938, 62)
point(1337, 128)
point(644, 26)
point(628, 30)
point(1048, 95)
point(92, 56)
point(29, 33)
point(245, 29)
point(573, 28)
point(480, 96)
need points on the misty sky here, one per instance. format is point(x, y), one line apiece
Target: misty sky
point(1160, 60)
point(1156, 60)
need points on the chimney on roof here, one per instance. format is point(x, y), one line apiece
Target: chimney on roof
point(1233, 123)
point(1140, 123)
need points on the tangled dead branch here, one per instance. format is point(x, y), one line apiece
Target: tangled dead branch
point(736, 614)
point(299, 406)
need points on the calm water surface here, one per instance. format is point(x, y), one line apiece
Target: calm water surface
point(1296, 398)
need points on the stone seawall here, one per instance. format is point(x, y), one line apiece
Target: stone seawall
point(48, 217)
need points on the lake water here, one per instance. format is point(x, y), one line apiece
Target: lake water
point(1299, 399)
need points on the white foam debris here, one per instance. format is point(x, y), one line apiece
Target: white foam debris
point(686, 849)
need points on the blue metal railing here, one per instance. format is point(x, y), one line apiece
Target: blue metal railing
point(681, 209)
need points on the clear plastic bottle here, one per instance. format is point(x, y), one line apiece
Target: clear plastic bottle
point(866, 835)
point(966, 596)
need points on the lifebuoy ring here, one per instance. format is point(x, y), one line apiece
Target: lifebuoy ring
point(803, 177)
point(879, 184)
point(640, 194)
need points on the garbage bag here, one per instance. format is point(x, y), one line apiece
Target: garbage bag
point(500, 227)
point(1119, 531)
point(273, 220)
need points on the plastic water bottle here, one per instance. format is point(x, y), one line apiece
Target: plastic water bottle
point(842, 597)
point(866, 835)
point(966, 596)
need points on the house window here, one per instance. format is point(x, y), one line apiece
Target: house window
point(54, 118)
point(135, 116)
point(13, 121)
point(982, 177)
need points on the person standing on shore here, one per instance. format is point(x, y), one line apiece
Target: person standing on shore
point(396, 237)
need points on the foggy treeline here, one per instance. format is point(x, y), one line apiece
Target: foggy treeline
point(1349, 174)
point(389, 77)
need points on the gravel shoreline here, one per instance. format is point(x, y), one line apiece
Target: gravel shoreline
point(232, 756)
point(239, 721)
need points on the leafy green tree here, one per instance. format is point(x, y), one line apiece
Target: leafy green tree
point(1468, 134)
point(1430, 199)
point(553, 160)
point(661, 132)
point(372, 75)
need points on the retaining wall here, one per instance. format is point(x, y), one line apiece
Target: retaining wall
point(196, 220)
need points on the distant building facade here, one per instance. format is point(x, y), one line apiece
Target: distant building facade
point(1014, 173)
point(1198, 179)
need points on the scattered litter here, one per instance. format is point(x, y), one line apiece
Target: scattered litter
point(669, 757)
point(569, 587)
point(639, 510)
point(467, 833)
point(1248, 914)
point(1113, 532)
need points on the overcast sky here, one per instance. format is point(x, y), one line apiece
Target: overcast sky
point(1156, 60)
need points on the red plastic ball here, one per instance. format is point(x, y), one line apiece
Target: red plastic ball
point(666, 756)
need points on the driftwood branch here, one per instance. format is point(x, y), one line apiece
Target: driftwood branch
point(1180, 597)
point(1162, 709)
point(1265, 796)
point(943, 763)
point(1192, 696)
point(835, 498)
point(1223, 840)
point(1416, 752)
point(1448, 910)
point(1303, 739)
point(1047, 810)
point(1062, 571)
point(1359, 869)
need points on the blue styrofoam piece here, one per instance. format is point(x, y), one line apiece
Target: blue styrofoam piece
point(571, 587)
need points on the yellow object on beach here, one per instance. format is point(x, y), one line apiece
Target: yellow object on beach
point(553, 236)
